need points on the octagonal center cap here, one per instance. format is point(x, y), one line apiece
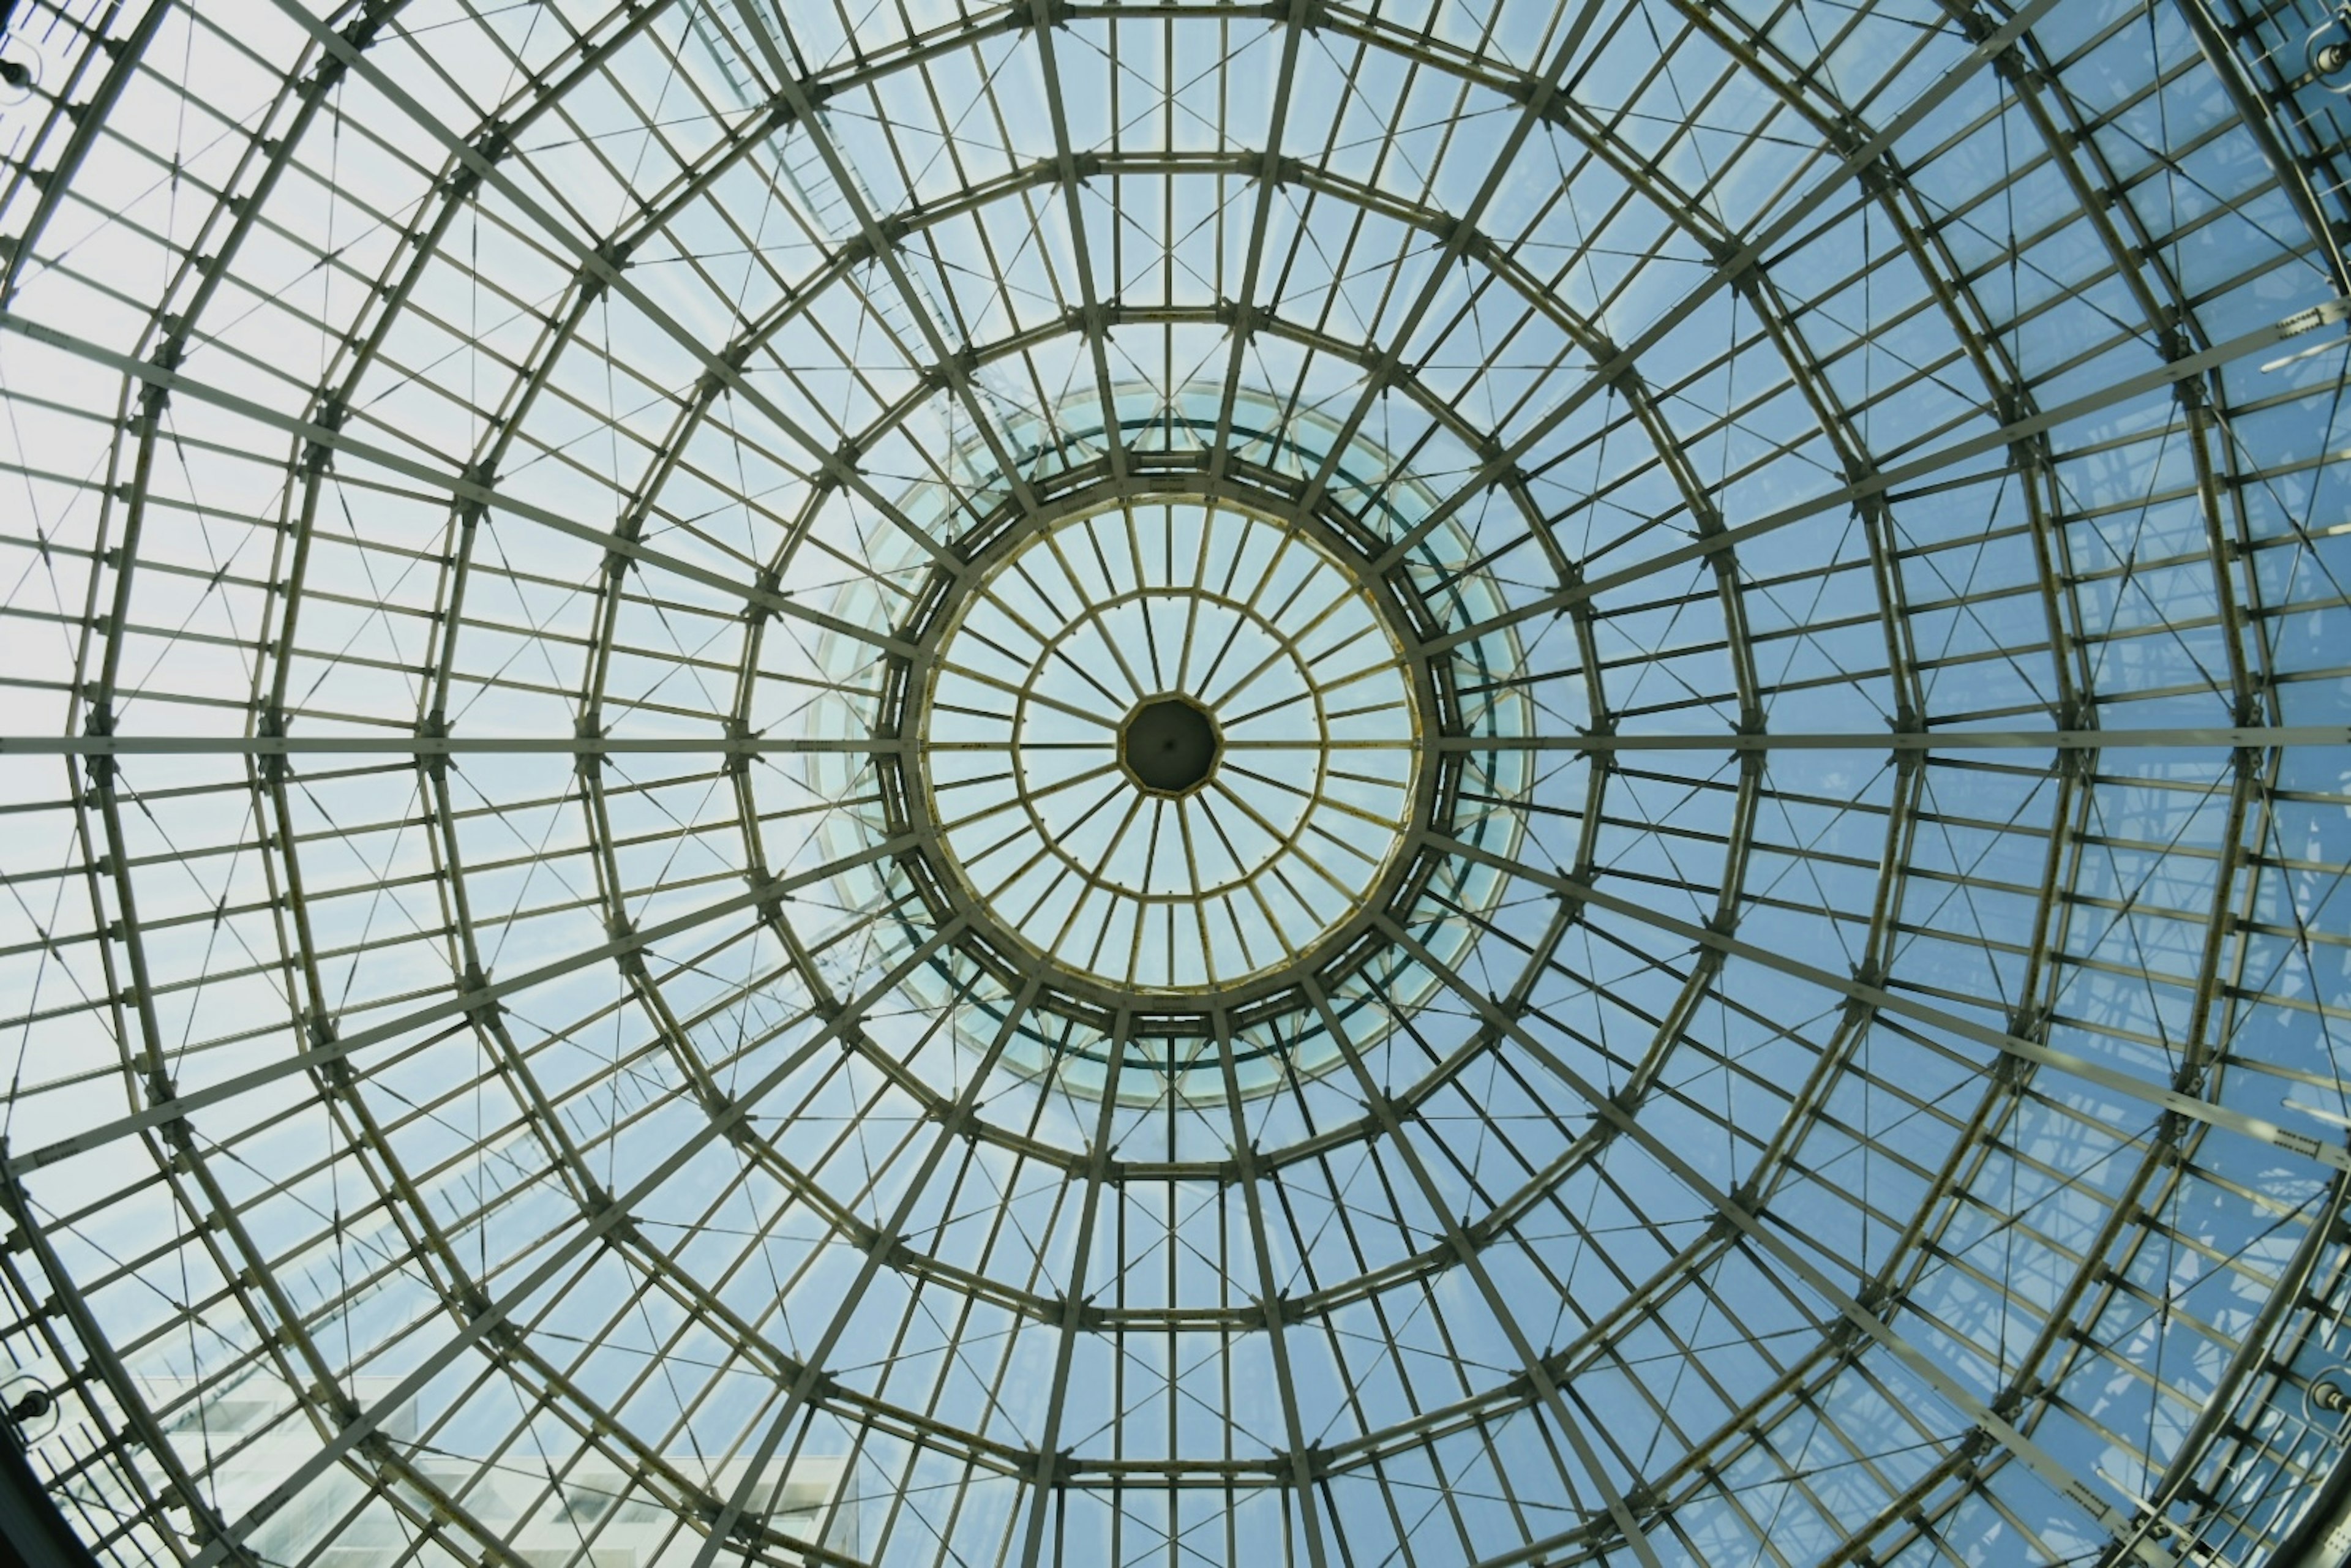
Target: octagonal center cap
point(1169, 746)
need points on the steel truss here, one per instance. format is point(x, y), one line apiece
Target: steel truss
point(1840, 1065)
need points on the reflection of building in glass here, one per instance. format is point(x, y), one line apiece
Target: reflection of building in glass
point(595, 1512)
point(545, 1501)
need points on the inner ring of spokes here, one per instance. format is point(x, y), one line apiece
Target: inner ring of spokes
point(1169, 746)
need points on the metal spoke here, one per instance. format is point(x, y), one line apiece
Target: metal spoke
point(1087, 782)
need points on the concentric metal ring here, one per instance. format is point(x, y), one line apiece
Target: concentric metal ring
point(1170, 898)
point(511, 1064)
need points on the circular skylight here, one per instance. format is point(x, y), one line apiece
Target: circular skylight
point(1170, 747)
point(1176, 783)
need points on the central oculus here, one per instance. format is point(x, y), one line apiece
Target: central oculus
point(1170, 749)
point(1169, 746)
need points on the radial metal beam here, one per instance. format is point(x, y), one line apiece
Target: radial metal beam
point(457, 485)
point(879, 1249)
point(326, 1049)
point(2169, 373)
point(2256, 1349)
point(2185, 738)
point(609, 269)
point(1542, 94)
point(949, 358)
point(1269, 1296)
point(124, 58)
point(1728, 269)
point(1294, 24)
point(1042, 23)
point(1750, 1219)
point(2335, 1155)
point(1049, 1458)
point(593, 1229)
point(436, 745)
point(1548, 1392)
point(2259, 118)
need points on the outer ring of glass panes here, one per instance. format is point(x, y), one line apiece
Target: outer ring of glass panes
point(1333, 574)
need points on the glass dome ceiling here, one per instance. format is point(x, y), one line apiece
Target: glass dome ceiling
point(1735, 950)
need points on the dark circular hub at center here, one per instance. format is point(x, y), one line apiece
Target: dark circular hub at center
point(1169, 746)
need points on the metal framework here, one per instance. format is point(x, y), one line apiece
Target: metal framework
point(1752, 976)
